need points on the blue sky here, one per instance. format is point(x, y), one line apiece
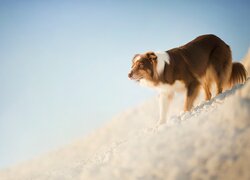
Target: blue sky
point(64, 64)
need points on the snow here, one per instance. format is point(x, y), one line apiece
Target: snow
point(209, 142)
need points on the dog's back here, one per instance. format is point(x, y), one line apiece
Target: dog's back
point(209, 59)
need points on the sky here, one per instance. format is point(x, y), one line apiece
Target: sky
point(64, 64)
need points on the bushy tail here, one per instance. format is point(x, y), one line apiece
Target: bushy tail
point(238, 75)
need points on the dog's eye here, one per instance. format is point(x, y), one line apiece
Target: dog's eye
point(141, 66)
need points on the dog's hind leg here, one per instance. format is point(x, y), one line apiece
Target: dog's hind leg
point(219, 88)
point(221, 61)
point(222, 76)
point(206, 82)
point(192, 93)
point(208, 94)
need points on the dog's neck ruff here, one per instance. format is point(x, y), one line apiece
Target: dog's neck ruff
point(162, 58)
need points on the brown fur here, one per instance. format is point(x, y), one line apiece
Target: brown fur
point(198, 63)
point(145, 68)
point(238, 74)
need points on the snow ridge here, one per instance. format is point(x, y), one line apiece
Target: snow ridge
point(190, 140)
point(205, 106)
point(210, 141)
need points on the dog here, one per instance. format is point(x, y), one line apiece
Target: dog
point(205, 60)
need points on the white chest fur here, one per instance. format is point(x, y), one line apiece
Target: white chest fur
point(178, 86)
point(146, 83)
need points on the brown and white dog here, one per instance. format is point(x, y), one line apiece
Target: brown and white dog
point(199, 63)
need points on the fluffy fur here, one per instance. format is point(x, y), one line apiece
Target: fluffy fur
point(205, 60)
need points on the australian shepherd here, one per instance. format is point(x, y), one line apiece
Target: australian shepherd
point(199, 63)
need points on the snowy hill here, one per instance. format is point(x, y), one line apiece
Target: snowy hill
point(210, 142)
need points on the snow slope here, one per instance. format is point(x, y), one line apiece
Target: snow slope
point(210, 142)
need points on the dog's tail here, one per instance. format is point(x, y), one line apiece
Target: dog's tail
point(238, 74)
point(246, 62)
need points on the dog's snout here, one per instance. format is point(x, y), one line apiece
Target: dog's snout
point(130, 74)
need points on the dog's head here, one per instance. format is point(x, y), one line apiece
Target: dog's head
point(143, 67)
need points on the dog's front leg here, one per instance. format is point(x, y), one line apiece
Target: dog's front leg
point(164, 101)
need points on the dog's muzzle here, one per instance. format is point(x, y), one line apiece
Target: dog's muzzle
point(130, 75)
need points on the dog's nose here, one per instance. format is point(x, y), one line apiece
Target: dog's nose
point(130, 74)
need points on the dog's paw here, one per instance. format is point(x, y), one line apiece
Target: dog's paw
point(160, 122)
point(155, 128)
point(158, 125)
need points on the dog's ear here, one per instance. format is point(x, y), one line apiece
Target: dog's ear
point(151, 56)
point(153, 60)
point(135, 58)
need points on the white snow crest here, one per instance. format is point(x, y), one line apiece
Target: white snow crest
point(209, 142)
point(202, 144)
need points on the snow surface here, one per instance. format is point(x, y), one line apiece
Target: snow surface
point(210, 142)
